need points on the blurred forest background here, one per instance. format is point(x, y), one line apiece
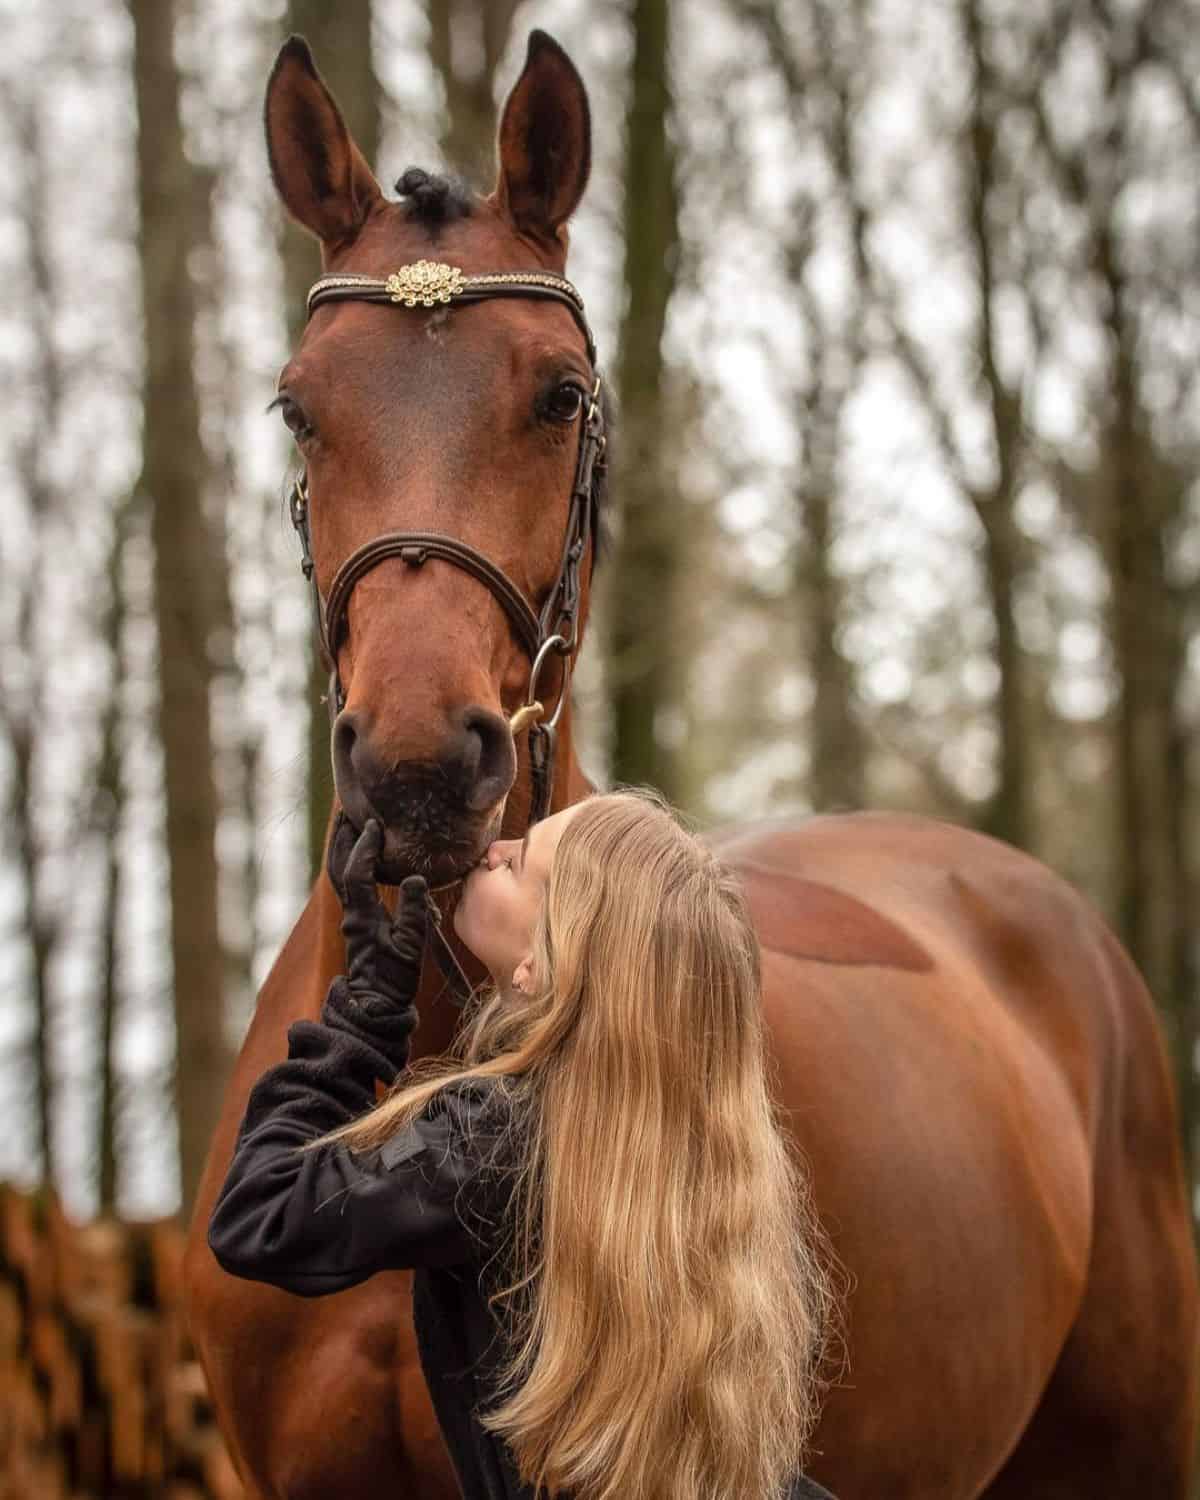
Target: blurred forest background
point(899, 302)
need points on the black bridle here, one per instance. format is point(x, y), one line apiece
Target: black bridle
point(553, 630)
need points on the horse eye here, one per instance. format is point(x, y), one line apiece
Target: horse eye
point(564, 402)
point(293, 416)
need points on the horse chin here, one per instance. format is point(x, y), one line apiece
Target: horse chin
point(440, 870)
point(404, 855)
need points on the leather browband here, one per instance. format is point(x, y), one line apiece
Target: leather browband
point(431, 283)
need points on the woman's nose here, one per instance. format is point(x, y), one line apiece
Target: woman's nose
point(496, 844)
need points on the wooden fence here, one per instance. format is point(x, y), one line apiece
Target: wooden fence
point(101, 1394)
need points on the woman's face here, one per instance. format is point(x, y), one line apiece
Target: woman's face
point(500, 898)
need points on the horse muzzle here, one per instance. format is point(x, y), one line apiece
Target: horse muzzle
point(438, 814)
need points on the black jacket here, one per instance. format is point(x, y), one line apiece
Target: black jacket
point(430, 1199)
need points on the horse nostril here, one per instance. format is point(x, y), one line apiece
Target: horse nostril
point(345, 734)
point(355, 774)
point(476, 767)
point(483, 757)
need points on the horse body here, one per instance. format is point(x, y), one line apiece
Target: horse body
point(965, 1053)
point(995, 1156)
point(972, 1067)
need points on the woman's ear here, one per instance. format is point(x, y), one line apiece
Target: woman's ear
point(522, 980)
point(545, 142)
point(320, 174)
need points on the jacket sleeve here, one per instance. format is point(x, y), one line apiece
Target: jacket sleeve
point(804, 1488)
point(320, 1221)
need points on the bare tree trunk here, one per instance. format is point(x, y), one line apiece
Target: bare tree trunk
point(837, 765)
point(837, 747)
point(41, 941)
point(1135, 504)
point(107, 816)
point(1184, 977)
point(237, 740)
point(643, 671)
point(468, 74)
point(988, 230)
point(1010, 814)
point(837, 768)
point(186, 557)
point(1150, 657)
point(23, 712)
point(340, 37)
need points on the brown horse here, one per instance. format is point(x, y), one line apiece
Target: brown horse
point(967, 1055)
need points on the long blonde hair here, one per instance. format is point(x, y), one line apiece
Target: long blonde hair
point(670, 1290)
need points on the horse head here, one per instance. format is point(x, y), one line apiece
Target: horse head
point(462, 410)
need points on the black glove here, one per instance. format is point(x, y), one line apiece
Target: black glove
point(383, 956)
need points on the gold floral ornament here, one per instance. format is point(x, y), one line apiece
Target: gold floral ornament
point(424, 283)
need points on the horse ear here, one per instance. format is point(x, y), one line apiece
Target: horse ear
point(545, 142)
point(321, 175)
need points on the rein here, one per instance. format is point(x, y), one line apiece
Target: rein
point(553, 630)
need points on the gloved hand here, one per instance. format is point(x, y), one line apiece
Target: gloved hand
point(383, 955)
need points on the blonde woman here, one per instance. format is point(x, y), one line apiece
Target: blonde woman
point(616, 1289)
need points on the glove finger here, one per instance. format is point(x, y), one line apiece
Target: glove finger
point(345, 836)
point(360, 891)
point(412, 914)
point(409, 930)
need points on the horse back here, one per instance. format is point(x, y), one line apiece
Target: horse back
point(975, 1073)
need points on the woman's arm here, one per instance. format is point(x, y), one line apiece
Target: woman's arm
point(804, 1488)
point(319, 1221)
point(322, 1220)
